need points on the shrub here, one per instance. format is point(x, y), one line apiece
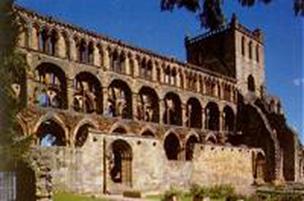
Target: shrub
point(221, 191)
point(169, 194)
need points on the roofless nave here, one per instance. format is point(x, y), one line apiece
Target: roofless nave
point(126, 118)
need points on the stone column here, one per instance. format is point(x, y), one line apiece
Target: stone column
point(136, 68)
point(184, 114)
point(134, 104)
point(105, 100)
point(61, 47)
point(221, 122)
point(203, 119)
point(106, 58)
point(70, 93)
point(161, 110)
point(154, 72)
point(127, 66)
point(96, 56)
point(33, 38)
point(73, 49)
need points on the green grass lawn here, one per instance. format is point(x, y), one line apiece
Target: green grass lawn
point(60, 196)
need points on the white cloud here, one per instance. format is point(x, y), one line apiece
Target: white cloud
point(298, 82)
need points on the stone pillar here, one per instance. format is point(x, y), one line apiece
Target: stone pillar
point(61, 47)
point(73, 49)
point(136, 68)
point(105, 100)
point(33, 38)
point(96, 56)
point(161, 110)
point(106, 58)
point(184, 114)
point(203, 119)
point(221, 121)
point(134, 106)
point(127, 66)
point(154, 73)
point(70, 93)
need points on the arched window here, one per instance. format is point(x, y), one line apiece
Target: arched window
point(43, 39)
point(51, 134)
point(117, 62)
point(257, 53)
point(82, 51)
point(243, 45)
point(194, 113)
point(251, 83)
point(119, 100)
point(90, 56)
point(147, 105)
point(51, 90)
point(192, 140)
point(250, 50)
point(212, 116)
point(228, 117)
point(173, 109)
point(121, 163)
point(52, 43)
point(172, 146)
point(88, 93)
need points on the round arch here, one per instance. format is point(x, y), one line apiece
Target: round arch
point(52, 86)
point(120, 100)
point(148, 105)
point(50, 133)
point(87, 93)
point(121, 169)
point(229, 118)
point(172, 146)
point(212, 116)
point(173, 109)
point(194, 113)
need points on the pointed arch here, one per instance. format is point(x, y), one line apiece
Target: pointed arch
point(190, 143)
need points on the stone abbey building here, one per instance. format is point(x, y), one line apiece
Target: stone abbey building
point(108, 117)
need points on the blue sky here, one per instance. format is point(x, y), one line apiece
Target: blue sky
point(140, 22)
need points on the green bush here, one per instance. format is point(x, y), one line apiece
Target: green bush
point(221, 191)
point(169, 194)
point(214, 192)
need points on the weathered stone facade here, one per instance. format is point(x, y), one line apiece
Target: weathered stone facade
point(113, 117)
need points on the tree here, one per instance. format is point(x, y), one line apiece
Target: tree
point(210, 11)
point(12, 71)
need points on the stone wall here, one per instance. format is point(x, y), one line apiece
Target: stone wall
point(86, 170)
point(223, 165)
point(77, 170)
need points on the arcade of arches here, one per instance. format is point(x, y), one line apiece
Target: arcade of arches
point(80, 87)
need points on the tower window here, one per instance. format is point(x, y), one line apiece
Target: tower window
point(243, 46)
point(257, 53)
point(250, 50)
